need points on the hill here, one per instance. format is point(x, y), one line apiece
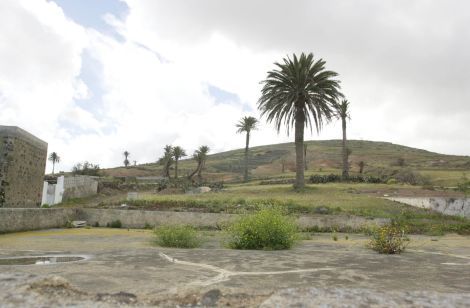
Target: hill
point(323, 157)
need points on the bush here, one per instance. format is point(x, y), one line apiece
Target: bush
point(114, 224)
point(464, 185)
point(334, 178)
point(177, 236)
point(411, 177)
point(389, 239)
point(267, 229)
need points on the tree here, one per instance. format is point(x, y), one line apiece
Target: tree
point(246, 124)
point(305, 157)
point(178, 153)
point(283, 165)
point(361, 166)
point(167, 160)
point(342, 112)
point(86, 169)
point(126, 160)
point(299, 93)
point(55, 159)
point(200, 156)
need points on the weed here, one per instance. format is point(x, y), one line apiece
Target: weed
point(114, 224)
point(267, 229)
point(177, 236)
point(389, 239)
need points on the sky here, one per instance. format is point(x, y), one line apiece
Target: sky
point(94, 78)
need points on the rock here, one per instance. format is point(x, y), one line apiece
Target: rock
point(132, 196)
point(202, 190)
point(341, 297)
point(210, 298)
point(79, 223)
point(322, 210)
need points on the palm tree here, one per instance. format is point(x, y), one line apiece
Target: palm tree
point(55, 159)
point(126, 160)
point(361, 164)
point(246, 124)
point(299, 93)
point(178, 152)
point(166, 160)
point(305, 157)
point(200, 155)
point(342, 112)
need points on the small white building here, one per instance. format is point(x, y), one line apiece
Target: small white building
point(67, 188)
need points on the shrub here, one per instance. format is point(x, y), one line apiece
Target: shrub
point(334, 178)
point(411, 177)
point(464, 185)
point(114, 224)
point(389, 239)
point(177, 236)
point(86, 168)
point(267, 229)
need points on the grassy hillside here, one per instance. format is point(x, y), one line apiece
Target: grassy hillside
point(322, 157)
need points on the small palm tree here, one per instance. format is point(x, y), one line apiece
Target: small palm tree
point(342, 112)
point(361, 165)
point(299, 93)
point(178, 153)
point(246, 124)
point(55, 159)
point(200, 155)
point(126, 160)
point(166, 160)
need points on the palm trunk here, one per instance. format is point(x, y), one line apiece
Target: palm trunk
point(245, 176)
point(199, 172)
point(345, 174)
point(305, 157)
point(53, 167)
point(176, 169)
point(299, 149)
point(196, 171)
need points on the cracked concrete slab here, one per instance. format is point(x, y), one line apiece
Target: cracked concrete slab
point(126, 265)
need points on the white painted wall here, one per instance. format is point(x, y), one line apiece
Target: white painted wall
point(447, 206)
point(68, 187)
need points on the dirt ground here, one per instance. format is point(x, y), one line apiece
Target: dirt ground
point(125, 267)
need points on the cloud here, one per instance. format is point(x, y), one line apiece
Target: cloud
point(404, 60)
point(179, 72)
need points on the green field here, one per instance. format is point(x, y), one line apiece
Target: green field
point(323, 157)
point(327, 199)
point(441, 173)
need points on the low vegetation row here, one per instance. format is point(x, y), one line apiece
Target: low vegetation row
point(383, 176)
point(272, 229)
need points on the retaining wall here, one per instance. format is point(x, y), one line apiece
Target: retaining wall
point(13, 220)
point(447, 206)
point(25, 219)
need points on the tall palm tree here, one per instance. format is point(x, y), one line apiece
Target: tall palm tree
point(178, 153)
point(299, 93)
point(166, 160)
point(126, 156)
point(342, 112)
point(55, 159)
point(247, 124)
point(200, 155)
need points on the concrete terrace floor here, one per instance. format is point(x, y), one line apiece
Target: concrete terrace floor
point(125, 267)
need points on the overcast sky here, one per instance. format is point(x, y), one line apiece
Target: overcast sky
point(96, 77)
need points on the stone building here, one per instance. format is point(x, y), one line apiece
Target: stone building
point(22, 166)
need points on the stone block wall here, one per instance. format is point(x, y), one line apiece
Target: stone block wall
point(22, 166)
point(79, 186)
